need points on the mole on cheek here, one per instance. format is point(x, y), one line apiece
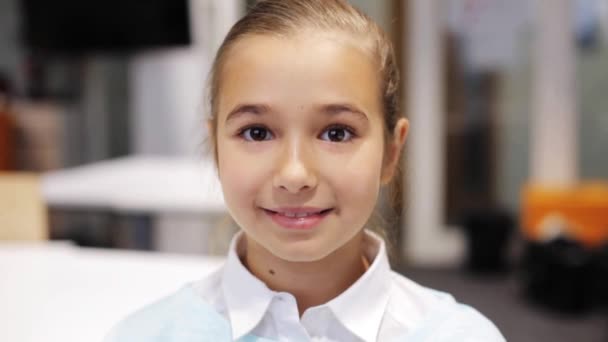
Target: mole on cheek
point(271, 272)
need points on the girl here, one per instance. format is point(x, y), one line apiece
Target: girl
point(305, 131)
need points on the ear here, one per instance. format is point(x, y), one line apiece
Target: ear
point(394, 150)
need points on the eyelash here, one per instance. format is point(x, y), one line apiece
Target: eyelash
point(349, 130)
point(244, 130)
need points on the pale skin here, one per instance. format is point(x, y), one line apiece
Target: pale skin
point(300, 124)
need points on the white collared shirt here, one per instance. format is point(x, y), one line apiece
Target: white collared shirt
point(380, 306)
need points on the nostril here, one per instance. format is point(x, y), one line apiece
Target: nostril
point(295, 188)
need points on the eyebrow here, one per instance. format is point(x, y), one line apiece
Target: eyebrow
point(257, 109)
point(329, 109)
point(337, 108)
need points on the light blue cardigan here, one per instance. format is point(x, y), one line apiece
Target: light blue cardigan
point(185, 317)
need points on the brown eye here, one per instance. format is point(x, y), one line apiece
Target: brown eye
point(256, 133)
point(337, 134)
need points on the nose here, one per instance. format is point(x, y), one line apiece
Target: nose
point(296, 171)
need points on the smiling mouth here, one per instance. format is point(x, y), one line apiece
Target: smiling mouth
point(299, 212)
point(298, 218)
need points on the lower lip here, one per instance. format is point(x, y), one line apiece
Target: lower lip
point(297, 223)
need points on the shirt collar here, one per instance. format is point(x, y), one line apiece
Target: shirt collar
point(247, 298)
point(361, 307)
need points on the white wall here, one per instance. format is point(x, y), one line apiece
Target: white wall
point(426, 240)
point(167, 86)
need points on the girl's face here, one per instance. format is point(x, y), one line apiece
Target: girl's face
point(300, 133)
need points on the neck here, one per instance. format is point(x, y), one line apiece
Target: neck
point(311, 283)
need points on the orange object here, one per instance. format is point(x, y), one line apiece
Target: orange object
point(580, 212)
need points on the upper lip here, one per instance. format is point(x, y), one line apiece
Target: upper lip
point(297, 210)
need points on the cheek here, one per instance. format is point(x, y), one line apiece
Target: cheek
point(242, 176)
point(357, 180)
point(231, 169)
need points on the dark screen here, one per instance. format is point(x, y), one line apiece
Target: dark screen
point(82, 26)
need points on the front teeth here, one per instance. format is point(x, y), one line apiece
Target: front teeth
point(297, 214)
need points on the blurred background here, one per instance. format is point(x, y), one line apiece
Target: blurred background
point(109, 198)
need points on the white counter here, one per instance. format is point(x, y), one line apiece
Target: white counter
point(138, 184)
point(56, 292)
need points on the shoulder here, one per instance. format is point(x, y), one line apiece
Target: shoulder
point(457, 322)
point(181, 316)
point(439, 317)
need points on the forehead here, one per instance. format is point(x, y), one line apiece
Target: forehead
point(299, 70)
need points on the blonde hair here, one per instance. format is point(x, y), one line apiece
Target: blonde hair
point(288, 17)
point(285, 17)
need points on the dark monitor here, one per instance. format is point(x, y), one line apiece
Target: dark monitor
point(85, 26)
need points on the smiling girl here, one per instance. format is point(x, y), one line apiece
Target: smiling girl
point(305, 131)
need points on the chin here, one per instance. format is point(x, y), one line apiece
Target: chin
point(300, 253)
